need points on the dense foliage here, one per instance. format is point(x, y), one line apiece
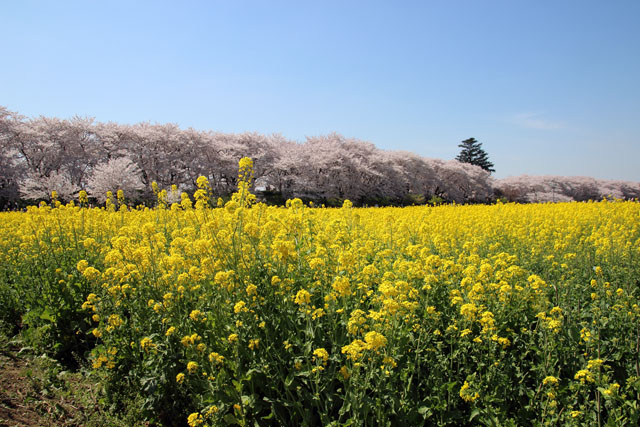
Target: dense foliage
point(251, 314)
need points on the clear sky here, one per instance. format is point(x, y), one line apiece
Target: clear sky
point(548, 87)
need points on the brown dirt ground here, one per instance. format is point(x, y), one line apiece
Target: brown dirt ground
point(24, 402)
point(13, 411)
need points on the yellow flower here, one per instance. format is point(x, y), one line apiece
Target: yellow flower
point(91, 273)
point(584, 376)
point(192, 367)
point(202, 182)
point(189, 340)
point(466, 394)
point(550, 380)
point(196, 315)
point(83, 198)
point(180, 378)
point(232, 338)
point(239, 307)
point(503, 341)
point(375, 340)
point(245, 163)
point(316, 264)
point(594, 363)
point(469, 310)
point(321, 354)
point(354, 350)
point(389, 362)
point(357, 319)
point(342, 286)
point(147, 344)
point(303, 297)
point(613, 389)
point(556, 311)
point(215, 357)
point(99, 361)
point(317, 313)
point(81, 266)
point(487, 321)
point(345, 373)
point(195, 419)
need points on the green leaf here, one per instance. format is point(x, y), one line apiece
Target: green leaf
point(345, 408)
point(230, 419)
point(47, 315)
point(289, 380)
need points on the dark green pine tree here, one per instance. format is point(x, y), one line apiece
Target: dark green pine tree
point(473, 153)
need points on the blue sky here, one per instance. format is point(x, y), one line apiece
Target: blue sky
point(548, 87)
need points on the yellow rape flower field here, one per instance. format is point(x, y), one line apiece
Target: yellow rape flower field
point(240, 313)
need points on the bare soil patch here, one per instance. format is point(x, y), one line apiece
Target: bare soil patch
point(34, 392)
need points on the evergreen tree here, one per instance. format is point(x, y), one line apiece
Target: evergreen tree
point(473, 153)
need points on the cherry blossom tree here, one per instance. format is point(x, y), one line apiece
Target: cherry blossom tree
point(41, 187)
point(116, 174)
point(10, 165)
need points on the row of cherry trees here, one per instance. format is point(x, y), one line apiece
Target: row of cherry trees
point(538, 189)
point(40, 155)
